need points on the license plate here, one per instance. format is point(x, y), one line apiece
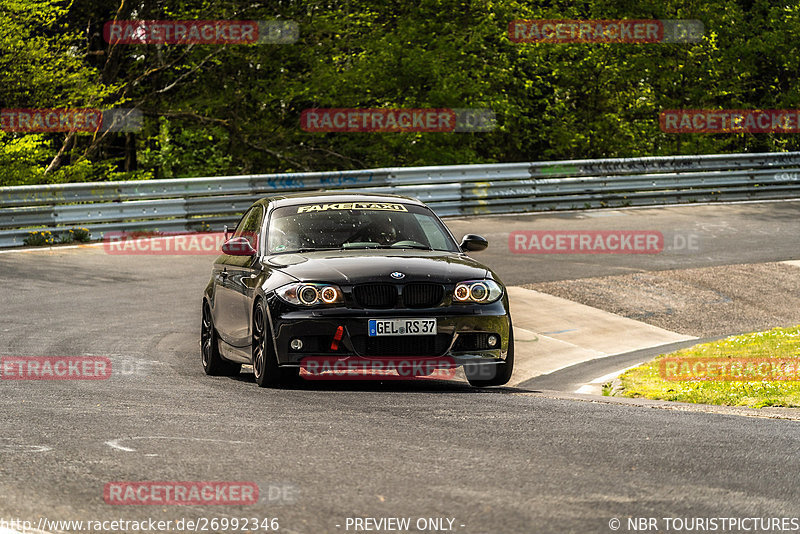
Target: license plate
point(402, 327)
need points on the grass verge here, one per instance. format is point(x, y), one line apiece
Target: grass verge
point(755, 370)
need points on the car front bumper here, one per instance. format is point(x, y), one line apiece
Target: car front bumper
point(462, 332)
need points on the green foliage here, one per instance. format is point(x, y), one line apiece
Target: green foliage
point(21, 159)
point(176, 152)
point(39, 238)
point(215, 110)
point(66, 237)
point(81, 235)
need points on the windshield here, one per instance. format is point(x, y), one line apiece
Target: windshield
point(356, 225)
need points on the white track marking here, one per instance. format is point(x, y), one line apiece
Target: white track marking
point(115, 443)
point(13, 447)
point(596, 385)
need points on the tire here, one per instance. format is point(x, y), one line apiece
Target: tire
point(265, 362)
point(213, 363)
point(482, 376)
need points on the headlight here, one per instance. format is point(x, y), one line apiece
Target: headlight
point(310, 294)
point(480, 291)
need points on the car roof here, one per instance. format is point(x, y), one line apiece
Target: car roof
point(294, 199)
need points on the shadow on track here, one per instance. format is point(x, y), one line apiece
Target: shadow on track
point(418, 385)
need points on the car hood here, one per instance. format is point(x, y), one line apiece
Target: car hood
point(359, 266)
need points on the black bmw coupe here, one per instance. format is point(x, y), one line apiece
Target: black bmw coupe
point(352, 277)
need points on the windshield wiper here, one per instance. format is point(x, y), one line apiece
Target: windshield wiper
point(359, 247)
point(421, 247)
point(395, 247)
point(301, 250)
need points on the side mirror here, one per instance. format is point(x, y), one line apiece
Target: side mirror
point(225, 232)
point(473, 243)
point(238, 246)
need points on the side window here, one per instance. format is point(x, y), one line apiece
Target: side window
point(250, 225)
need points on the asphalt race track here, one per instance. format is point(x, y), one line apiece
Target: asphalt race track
point(694, 236)
point(505, 460)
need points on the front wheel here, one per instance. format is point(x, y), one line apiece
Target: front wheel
point(265, 362)
point(213, 363)
point(482, 376)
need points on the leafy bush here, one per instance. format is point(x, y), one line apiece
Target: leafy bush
point(39, 238)
point(66, 237)
point(21, 159)
point(81, 235)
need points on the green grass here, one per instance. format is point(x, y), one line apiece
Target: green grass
point(779, 347)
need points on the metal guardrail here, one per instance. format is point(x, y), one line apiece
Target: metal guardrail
point(189, 204)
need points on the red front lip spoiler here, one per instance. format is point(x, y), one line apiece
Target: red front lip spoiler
point(388, 368)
